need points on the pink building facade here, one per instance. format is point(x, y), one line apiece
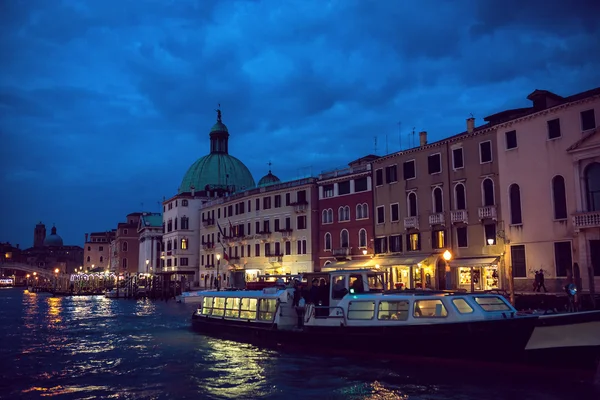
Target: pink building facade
point(549, 175)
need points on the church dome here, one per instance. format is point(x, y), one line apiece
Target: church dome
point(218, 168)
point(268, 179)
point(53, 240)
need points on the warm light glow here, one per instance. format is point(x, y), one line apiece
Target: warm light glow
point(377, 266)
point(56, 271)
point(35, 273)
point(490, 242)
point(447, 255)
point(218, 256)
point(147, 262)
point(365, 252)
point(28, 276)
point(184, 244)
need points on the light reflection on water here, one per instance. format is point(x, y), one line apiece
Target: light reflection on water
point(93, 347)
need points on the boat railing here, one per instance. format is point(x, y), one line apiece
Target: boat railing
point(275, 313)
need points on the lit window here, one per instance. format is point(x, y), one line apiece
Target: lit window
point(184, 244)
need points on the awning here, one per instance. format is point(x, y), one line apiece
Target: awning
point(391, 261)
point(350, 264)
point(473, 262)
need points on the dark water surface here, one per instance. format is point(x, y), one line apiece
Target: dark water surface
point(98, 348)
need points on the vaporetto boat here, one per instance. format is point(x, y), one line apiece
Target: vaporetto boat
point(358, 312)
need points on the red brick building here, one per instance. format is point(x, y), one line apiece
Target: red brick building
point(345, 214)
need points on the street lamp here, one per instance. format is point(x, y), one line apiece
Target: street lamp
point(56, 271)
point(447, 257)
point(490, 242)
point(147, 262)
point(218, 274)
point(364, 252)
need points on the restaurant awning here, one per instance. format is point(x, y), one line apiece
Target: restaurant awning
point(473, 262)
point(391, 261)
point(350, 264)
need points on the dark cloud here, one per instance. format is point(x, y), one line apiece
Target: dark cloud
point(105, 104)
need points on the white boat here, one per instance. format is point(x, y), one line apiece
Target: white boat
point(189, 297)
point(116, 294)
point(422, 323)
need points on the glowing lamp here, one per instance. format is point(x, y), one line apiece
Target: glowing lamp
point(447, 255)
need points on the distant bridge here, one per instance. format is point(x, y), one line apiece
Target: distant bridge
point(31, 269)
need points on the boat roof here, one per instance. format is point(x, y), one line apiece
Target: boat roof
point(417, 293)
point(254, 294)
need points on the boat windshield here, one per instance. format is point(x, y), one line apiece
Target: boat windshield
point(375, 282)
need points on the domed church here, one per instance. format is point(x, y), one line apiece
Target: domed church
point(217, 172)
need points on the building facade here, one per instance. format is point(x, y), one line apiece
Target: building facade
point(437, 197)
point(126, 245)
point(547, 160)
point(50, 252)
point(345, 209)
point(96, 250)
point(271, 229)
point(150, 247)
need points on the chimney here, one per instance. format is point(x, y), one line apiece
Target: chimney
point(470, 125)
point(423, 138)
point(86, 237)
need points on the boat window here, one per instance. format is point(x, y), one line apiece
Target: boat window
point(248, 308)
point(429, 309)
point(339, 289)
point(492, 303)
point(375, 282)
point(232, 307)
point(361, 310)
point(207, 304)
point(267, 308)
point(219, 306)
point(462, 306)
point(356, 284)
point(393, 310)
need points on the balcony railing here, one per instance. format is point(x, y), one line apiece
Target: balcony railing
point(286, 234)
point(209, 266)
point(589, 219)
point(487, 212)
point(275, 258)
point(208, 245)
point(459, 216)
point(437, 219)
point(300, 206)
point(411, 223)
point(342, 252)
point(208, 222)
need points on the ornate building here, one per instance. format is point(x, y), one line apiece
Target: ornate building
point(214, 175)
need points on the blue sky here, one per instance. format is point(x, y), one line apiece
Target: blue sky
point(105, 104)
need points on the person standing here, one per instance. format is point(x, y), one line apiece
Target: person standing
point(540, 279)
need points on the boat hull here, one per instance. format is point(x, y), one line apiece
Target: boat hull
point(495, 340)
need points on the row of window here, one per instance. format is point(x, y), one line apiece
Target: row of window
point(171, 244)
point(240, 308)
point(184, 203)
point(89, 259)
point(563, 260)
point(362, 212)
point(270, 250)
point(172, 224)
point(100, 248)
point(588, 121)
point(343, 188)
point(172, 262)
point(246, 206)
point(242, 229)
point(345, 240)
point(434, 164)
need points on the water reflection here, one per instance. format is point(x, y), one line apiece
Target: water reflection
point(54, 309)
point(144, 307)
point(232, 369)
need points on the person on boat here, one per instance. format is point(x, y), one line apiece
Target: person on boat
point(323, 297)
point(357, 285)
point(313, 294)
point(300, 310)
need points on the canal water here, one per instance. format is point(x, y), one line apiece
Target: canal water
point(99, 348)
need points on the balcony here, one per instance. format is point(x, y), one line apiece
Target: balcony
point(437, 219)
point(459, 216)
point(487, 212)
point(286, 234)
point(208, 222)
point(275, 258)
point(209, 266)
point(590, 219)
point(300, 206)
point(342, 252)
point(230, 240)
point(208, 245)
point(411, 223)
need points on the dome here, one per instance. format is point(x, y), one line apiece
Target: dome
point(53, 240)
point(217, 169)
point(268, 179)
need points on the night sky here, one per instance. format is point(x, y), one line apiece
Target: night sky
point(105, 104)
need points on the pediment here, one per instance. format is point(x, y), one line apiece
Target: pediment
point(588, 141)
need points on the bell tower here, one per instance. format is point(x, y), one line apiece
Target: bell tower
point(39, 235)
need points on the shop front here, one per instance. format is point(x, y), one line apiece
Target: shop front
point(475, 274)
point(410, 272)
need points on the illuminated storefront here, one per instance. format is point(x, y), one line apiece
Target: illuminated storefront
point(475, 274)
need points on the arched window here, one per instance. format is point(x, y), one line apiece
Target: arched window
point(488, 192)
point(559, 197)
point(324, 217)
point(347, 213)
point(330, 215)
point(328, 241)
point(412, 204)
point(359, 209)
point(124, 246)
point(365, 210)
point(124, 261)
point(344, 239)
point(460, 196)
point(592, 181)
point(438, 203)
point(88, 258)
point(341, 213)
point(514, 193)
point(362, 238)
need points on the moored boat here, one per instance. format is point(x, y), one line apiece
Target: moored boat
point(358, 312)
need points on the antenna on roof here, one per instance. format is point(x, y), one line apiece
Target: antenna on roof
point(375, 145)
point(471, 114)
point(400, 134)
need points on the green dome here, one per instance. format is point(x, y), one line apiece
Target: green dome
point(219, 127)
point(213, 169)
point(268, 179)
